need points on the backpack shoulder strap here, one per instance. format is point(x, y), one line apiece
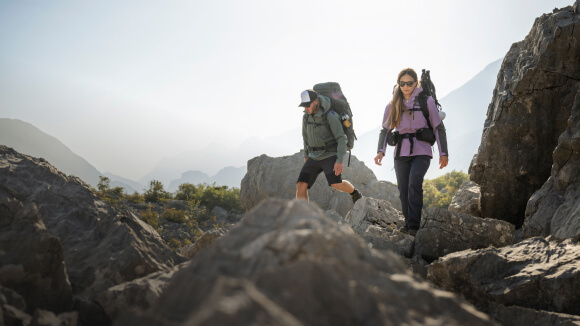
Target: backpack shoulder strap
point(423, 103)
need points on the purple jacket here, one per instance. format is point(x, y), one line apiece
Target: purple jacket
point(411, 122)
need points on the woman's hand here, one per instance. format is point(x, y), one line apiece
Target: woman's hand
point(443, 160)
point(379, 158)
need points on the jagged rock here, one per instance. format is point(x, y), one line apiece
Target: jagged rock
point(285, 263)
point(555, 208)
point(466, 200)
point(368, 211)
point(206, 239)
point(276, 177)
point(443, 232)
point(531, 103)
point(534, 274)
point(31, 259)
point(12, 307)
point(334, 216)
point(516, 316)
point(48, 318)
point(13, 312)
point(220, 214)
point(103, 246)
point(375, 220)
point(137, 294)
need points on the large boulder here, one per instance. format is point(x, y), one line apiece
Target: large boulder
point(32, 259)
point(534, 273)
point(517, 316)
point(276, 177)
point(286, 263)
point(377, 222)
point(137, 294)
point(103, 246)
point(466, 199)
point(555, 208)
point(531, 104)
point(443, 232)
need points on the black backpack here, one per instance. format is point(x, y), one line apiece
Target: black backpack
point(339, 104)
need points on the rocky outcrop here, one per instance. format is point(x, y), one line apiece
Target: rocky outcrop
point(516, 316)
point(32, 259)
point(534, 273)
point(555, 208)
point(137, 294)
point(443, 232)
point(276, 177)
point(466, 200)
point(531, 104)
point(377, 223)
point(102, 246)
point(206, 239)
point(285, 263)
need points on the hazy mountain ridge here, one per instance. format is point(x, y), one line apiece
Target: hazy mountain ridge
point(28, 139)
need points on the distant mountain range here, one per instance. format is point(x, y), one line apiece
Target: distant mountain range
point(28, 139)
point(466, 109)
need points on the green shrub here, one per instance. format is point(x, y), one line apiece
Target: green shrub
point(187, 191)
point(222, 196)
point(174, 215)
point(174, 243)
point(135, 198)
point(440, 191)
point(156, 193)
point(151, 218)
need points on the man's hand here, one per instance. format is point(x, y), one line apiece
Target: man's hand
point(338, 168)
point(443, 160)
point(379, 158)
point(305, 159)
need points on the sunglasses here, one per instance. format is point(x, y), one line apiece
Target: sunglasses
point(402, 83)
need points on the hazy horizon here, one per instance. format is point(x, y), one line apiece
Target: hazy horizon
point(127, 84)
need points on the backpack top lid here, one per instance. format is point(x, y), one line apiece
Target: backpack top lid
point(330, 89)
point(333, 91)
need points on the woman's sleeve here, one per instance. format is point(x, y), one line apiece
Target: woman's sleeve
point(382, 145)
point(438, 127)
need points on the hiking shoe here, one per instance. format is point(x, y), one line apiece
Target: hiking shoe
point(404, 230)
point(413, 232)
point(356, 195)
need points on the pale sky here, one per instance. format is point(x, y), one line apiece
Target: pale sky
point(126, 83)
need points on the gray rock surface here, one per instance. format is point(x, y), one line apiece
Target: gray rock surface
point(276, 177)
point(287, 264)
point(137, 294)
point(517, 316)
point(531, 104)
point(32, 259)
point(377, 223)
point(443, 232)
point(555, 208)
point(466, 200)
point(206, 239)
point(534, 273)
point(103, 246)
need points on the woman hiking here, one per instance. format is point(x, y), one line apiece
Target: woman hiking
point(407, 129)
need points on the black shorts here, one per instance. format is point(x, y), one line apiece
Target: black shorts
point(312, 169)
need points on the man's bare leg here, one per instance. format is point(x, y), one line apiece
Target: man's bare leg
point(302, 190)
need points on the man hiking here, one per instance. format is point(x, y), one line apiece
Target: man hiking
point(325, 145)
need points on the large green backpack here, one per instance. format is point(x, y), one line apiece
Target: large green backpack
point(340, 105)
